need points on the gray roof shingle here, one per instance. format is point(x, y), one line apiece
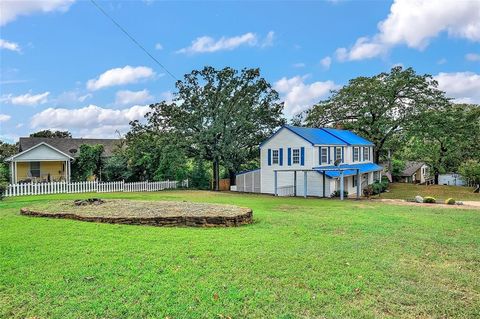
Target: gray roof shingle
point(67, 144)
point(411, 167)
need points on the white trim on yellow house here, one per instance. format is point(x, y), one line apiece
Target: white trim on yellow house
point(35, 154)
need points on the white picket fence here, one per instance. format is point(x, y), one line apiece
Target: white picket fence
point(90, 187)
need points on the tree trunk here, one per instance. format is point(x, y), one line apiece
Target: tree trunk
point(376, 156)
point(436, 177)
point(232, 176)
point(216, 175)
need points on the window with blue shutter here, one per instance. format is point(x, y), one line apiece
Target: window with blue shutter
point(323, 155)
point(289, 156)
point(343, 153)
point(329, 154)
point(269, 157)
point(302, 156)
point(280, 154)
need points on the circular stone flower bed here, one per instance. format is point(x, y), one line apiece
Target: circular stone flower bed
point(153, 213)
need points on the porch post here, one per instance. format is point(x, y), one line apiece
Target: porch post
point(324, 181)
point(341, 185)
point(305, 192)
point(275, 181)
point(15, 177)
point(68, 171)
point(294, 183)
point(12, 172)
point(358, 183)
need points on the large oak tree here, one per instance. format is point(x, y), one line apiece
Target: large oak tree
point(381, 107)
point(219, 116)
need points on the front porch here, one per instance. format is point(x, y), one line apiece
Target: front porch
point(39, 171)
point(41, 163)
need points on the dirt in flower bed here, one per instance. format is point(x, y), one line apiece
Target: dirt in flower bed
point(154, 213)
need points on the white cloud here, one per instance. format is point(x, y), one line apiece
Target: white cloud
point(414, 23)
point(158, 46)
point(463, 86)
point(10, 9)
point(89, 121)
point(120, 76)
point(4, 117)
point(12, 46)
point(299, 65)
point(127, 97)
point(326, 62)
point(72, 97)
point(299, 96)
point(268, 41)
point(473, 57)
point(208, 44)
point(442, 61)
point(25, 99)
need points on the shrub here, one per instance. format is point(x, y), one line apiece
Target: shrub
point(3, 189)
point(337, 194)
point(368, 191)
point(450, 201)
point(429, 200)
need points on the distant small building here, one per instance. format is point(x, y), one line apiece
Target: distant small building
point(451, 179)
point(414, 172)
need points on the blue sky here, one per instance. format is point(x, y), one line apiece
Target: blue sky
point(63, 65)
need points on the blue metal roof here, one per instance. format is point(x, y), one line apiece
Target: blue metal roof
point(348, 136)
point(316, 135)
point(351, 169)
point(324, 136)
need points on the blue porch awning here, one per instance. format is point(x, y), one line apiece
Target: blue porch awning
point(348, 169)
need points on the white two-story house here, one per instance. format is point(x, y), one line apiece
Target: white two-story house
point(300, 161)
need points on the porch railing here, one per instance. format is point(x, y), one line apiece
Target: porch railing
point(288, 190)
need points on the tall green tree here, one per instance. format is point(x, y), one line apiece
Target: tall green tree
point(52, 134)
point(445, 137)
point(89, 162)
point(381, 108)
point(220, 116)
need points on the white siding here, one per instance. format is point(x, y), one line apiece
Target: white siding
point(286, 139)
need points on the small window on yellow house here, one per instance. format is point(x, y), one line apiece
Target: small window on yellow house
point(35, 169)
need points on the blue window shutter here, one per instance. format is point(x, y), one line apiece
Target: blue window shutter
point(280, 156)
point(302, 156)
point(342, 154)
point(289, 156)
point(269, 157)
point(320, 155)
point(329, 154)
point(334, 153)
point(353, 153)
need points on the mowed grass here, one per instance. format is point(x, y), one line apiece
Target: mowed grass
point(302, 258)
point(440, 192)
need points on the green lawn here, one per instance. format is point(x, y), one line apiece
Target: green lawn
point(302, 258)
point(440, 192)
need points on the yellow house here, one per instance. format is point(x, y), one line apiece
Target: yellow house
point(41, 162)
point(49, 159)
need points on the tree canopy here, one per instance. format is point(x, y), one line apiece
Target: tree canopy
point(219, 116)
point(381, 107)
point(52, 134)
